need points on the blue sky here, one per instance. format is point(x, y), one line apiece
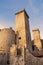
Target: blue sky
point(34, 9)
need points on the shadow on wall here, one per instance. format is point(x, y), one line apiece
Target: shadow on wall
point(36, 52)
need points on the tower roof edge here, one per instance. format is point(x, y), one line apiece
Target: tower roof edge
point(23, 10)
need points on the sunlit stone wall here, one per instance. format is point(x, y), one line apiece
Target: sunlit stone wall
point(7, 38)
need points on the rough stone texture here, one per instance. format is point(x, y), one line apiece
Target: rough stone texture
point(22, 27)
point(16, 47)
point(7, 38)
point(16, 58)
point(37, 40)
point(38, 50)
point(32, 60)
point(13, 53)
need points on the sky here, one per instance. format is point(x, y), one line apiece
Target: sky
point(34, 8)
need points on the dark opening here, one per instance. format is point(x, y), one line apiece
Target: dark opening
point(33, 47)
point(15, 38)
point(19, 37)
point(8, 62)
point(18, 52)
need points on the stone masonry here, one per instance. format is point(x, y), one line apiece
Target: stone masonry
point(16, 47)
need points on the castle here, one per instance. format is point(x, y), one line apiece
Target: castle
point(16, 46)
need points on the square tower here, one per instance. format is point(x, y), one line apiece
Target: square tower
point(37, 40)
point(22, 27)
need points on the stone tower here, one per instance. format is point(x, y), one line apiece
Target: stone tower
point(23, 38)
point(22, 27)
point(37, 41)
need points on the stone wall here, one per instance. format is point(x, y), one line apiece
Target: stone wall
point(7, 38)
point(32, 60)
